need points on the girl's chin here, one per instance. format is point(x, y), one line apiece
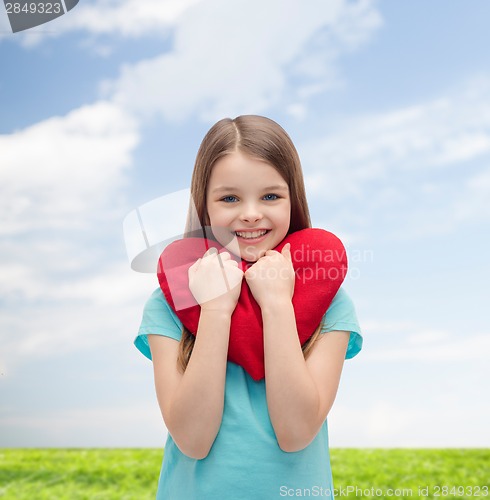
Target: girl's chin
point(253, 256)
point(249, 258)
point(248, 253)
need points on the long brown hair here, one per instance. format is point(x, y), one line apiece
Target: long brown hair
point(260, 138)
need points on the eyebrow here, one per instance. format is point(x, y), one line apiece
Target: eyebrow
point(276, 187)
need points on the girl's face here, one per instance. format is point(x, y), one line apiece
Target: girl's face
point(246, 198)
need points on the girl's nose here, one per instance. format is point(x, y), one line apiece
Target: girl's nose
point(251, 214)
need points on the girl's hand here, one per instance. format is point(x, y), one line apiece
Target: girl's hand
point(271, 278)
point(215, 281)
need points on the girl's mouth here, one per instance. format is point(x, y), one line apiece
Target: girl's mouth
point(252, 237)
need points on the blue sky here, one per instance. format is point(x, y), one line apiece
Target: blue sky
point(103, 109)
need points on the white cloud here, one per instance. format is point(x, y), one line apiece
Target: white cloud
point(428, 337)
point(474, 347)
point(47, 317)
point(413, 423)
point(437, 134)
point(226, 58)
point(434, 348)
point(60, 203)
point(382, 162)
point(130, 18)
point(127, 18)
point(56, 172)
point(472, 202)
point(384, 420)
point(141, 425)
point(232, 58)
point(4, 23)
point(395, 341)
point(376, 327)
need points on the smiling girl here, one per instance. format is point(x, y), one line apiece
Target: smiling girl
point(231, 436)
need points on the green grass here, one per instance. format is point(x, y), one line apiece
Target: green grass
point(127, 474)
point(76, 474)
point(413, 469)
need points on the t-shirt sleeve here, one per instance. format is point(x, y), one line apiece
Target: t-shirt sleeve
point(158, 319)
point(341, 315)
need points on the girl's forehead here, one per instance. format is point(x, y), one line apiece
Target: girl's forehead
point(238, 168)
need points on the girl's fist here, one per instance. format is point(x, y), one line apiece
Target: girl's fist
point(215, 281)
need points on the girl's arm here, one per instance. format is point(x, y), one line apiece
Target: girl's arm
point(192, 403)
point(299, 393)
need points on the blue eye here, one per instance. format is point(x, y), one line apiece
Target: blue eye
point(229, 199)
point(271, 194)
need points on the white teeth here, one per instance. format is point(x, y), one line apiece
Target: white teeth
point(255, 234)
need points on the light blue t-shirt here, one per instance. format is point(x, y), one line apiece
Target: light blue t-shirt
point(245, 461)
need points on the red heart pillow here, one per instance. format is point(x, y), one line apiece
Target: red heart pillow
point(320, 264)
